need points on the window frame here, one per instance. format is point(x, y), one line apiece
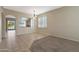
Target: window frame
point(22, 22)
point(42, 21)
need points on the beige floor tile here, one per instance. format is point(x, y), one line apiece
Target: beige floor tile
point(19, 43)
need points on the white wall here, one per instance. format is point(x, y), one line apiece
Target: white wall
point(0, 25)
point(0, 28)
point(64, 22)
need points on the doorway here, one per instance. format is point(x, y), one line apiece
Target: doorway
point(10, 24)
point(11, 32)
point(11, 27)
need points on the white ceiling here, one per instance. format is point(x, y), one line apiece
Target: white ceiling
point(29, 9)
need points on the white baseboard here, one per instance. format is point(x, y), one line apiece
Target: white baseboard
point(22, 34)
point(66, 37)
point(44, 33)
point(62, 36)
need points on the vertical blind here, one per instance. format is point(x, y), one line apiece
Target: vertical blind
point(42, 22)
point(22, 22)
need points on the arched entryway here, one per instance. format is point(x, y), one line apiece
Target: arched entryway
point(10, 22)
point(11, 31)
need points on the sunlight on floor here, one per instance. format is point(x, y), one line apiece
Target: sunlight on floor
point(11, 39)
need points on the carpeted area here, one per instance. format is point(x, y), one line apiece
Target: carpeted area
point(54, 44)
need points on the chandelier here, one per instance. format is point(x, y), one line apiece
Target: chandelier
point(34, 14)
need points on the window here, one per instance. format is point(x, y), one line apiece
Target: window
point(11, 25)
point(22, 22)
point(42, 22)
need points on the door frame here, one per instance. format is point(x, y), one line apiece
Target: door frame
point(10, 19)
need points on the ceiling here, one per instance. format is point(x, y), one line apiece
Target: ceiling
point(29, 9)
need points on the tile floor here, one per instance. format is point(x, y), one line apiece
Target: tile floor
point(19, 43)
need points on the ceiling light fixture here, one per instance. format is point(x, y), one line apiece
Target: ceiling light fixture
point(34, 14)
